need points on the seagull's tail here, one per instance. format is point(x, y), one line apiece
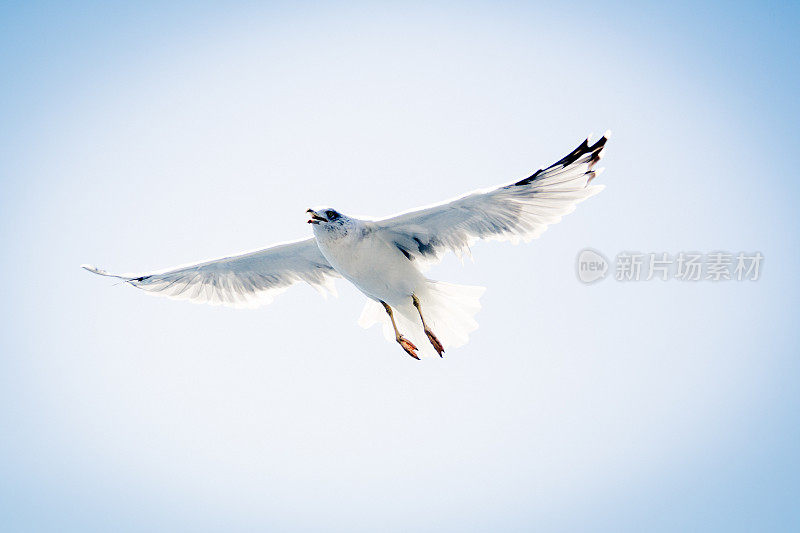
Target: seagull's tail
point(449, 312)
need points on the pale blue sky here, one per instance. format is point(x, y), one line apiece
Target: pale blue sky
point(141, 137)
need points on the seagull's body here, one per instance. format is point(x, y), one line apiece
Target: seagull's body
point(385, 258)
point(387, 276)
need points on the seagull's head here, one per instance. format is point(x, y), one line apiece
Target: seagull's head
point(330, 221)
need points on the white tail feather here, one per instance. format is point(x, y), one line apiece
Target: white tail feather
point(449, 312)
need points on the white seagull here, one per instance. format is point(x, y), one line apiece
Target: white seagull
point(385, 258)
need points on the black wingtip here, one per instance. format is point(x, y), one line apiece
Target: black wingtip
point(583, 149)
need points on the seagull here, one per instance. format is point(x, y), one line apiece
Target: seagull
point(386, 258)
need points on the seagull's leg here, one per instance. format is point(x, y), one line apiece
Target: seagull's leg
point(431, 337)
point(407, 345)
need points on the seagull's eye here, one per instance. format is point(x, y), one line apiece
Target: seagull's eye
point(332, 215)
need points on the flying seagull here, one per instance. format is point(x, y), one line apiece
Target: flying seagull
point(385, 258)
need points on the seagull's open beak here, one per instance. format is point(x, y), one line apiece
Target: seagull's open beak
point(315, 218)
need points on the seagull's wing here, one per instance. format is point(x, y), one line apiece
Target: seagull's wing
point(517, 211)
point(245, 280)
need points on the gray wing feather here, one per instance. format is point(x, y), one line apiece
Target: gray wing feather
point(244, 280)
point(518, 211)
